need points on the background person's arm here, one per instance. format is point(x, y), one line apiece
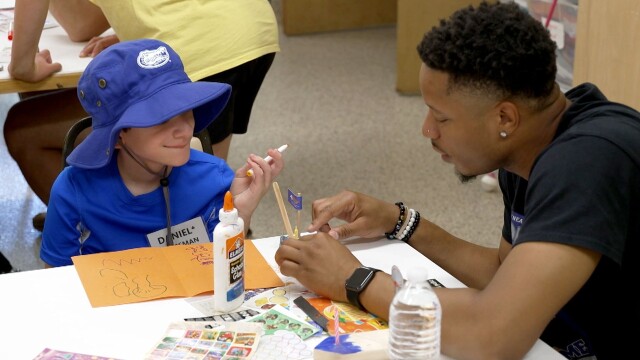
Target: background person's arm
point(80, 19)
point(27, 63)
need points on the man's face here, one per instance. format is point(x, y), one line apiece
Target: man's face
point(462, 125)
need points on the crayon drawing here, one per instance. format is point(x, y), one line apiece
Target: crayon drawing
point(133, 285)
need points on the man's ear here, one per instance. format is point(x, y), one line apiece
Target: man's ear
point(509, 117)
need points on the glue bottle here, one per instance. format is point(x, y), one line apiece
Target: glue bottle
point(228, 258)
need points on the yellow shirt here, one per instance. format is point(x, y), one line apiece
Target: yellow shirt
point(210, 36)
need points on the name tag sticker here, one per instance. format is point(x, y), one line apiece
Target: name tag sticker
point(189, 232)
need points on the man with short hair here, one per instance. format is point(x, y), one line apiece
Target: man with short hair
point(569, 172)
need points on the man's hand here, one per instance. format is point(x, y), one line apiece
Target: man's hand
point(366, 216)
point(321, 263)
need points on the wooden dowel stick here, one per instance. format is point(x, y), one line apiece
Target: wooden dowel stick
point(283, 210)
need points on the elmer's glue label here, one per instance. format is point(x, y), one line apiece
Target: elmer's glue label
point(228, 258)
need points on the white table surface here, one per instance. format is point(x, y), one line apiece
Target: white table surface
point(49, 308)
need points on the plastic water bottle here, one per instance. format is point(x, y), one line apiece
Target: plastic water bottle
point(414, 319)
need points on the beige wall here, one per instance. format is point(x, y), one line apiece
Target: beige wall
point(308, 16)
point(415, 17)
point(607, 41)
point(608, 48)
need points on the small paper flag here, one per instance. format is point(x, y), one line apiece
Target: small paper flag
point(295, 200)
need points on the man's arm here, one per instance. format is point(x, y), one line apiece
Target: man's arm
point(500, 318)
point(470, 263)
point(504, 319)
point(81, 19)
point(369, 217)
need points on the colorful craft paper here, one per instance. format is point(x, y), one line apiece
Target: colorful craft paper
point(142, 274)
point(351, 318)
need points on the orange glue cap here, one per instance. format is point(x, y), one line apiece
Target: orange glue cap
point(228, 201)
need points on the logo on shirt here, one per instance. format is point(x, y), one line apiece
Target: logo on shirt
point(151, 59)
point(516, 224)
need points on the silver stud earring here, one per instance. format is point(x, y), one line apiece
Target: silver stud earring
point(503, 134)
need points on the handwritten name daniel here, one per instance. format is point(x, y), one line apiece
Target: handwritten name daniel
point(179, 237)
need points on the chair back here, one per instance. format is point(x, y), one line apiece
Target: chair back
point(72, 135)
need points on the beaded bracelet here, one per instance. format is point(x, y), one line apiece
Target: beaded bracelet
point(412, 224)
point(393, 233)
point(411, 218)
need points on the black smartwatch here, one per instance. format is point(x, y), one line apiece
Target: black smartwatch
point(356, 284)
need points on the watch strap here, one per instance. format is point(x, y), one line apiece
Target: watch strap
point(353, 295)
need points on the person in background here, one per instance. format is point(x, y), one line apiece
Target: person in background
point(36, 125)
point(569, 169)
point(135, 181)
point(227, 41)
point(5, 265)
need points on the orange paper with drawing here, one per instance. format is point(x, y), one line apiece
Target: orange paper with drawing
point(142, 274)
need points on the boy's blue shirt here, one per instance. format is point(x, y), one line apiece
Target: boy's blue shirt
point(92, 211)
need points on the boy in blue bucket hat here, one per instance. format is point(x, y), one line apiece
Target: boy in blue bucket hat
point(135, 179)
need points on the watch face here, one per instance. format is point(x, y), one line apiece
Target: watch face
point(359, 279)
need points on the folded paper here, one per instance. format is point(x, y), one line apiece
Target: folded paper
point(142, 274)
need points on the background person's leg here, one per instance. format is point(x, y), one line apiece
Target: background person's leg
point(245, 81)
point(5, 265)
point(34, 132)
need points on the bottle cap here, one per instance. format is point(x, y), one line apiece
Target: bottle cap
point(417, 275)
point(228, 201)
point(228, 214)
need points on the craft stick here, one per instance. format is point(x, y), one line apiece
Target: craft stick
point(283, 210)
point(298, 212)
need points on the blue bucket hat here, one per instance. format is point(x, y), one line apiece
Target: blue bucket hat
point(139, 84)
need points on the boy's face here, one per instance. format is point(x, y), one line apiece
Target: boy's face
point(166, 144)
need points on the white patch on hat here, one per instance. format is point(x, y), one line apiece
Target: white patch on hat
point(151, 59)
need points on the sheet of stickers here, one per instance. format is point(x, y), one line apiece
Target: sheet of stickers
point(208, 340)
